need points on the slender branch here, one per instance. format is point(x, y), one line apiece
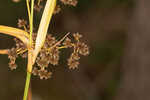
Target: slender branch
point(31, 21)
point(60, 40)
point(57, 43)
point(28, 8)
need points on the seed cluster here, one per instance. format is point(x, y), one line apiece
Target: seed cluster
point(49, 55)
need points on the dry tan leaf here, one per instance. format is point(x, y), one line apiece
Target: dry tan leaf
point(18, 33)
point(43, 27)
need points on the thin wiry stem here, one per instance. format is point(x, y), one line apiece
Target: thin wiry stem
point(31, 21)
point(57, 43)
point(28, 8)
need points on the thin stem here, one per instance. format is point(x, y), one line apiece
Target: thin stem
point(29, 67)
point(28, 8)
point(31, 21)
point(27, 86)
point(57, 43)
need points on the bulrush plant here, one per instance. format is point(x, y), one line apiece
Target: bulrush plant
point(42, 49)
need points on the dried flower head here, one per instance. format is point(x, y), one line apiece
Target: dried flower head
point(35, 71)
point(12, 57)
point(82, 48)
point(54, 56)
point(44, 74)
point(72, 63)
point(12, 66)
point(77, 36)
point(22, 23)
point(67, 42)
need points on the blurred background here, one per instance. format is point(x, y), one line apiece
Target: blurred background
point(118, 67)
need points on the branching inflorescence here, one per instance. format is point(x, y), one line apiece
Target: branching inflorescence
point(50, 52)
point(41, 50)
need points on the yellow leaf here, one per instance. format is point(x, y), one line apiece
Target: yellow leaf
point(18, 33)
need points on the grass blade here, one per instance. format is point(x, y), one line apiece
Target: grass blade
point(18, 33)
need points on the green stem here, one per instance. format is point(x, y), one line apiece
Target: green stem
point(27, 86)
point(29, 51)
point(31, 21)
point(28, 8)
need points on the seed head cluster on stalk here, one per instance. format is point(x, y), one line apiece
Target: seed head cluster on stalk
point(41, 49)
point(50, 53)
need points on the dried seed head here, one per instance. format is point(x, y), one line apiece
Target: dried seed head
point(83, 49)
point(72, 63)
point(19, 44)
point(21, 23)
point(42, 62)
point(35, 71)
point(12, 66)
point(44, 74)
point(12, 57)
point(12, 53)
point(54, 56)
point(77, 36)
point(50, 41)
point(67, 42)
point(75, 56)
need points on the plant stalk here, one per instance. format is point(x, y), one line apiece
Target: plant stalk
point(29, 67)
point(27, 86)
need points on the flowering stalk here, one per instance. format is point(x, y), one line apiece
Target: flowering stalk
point(42, 49)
